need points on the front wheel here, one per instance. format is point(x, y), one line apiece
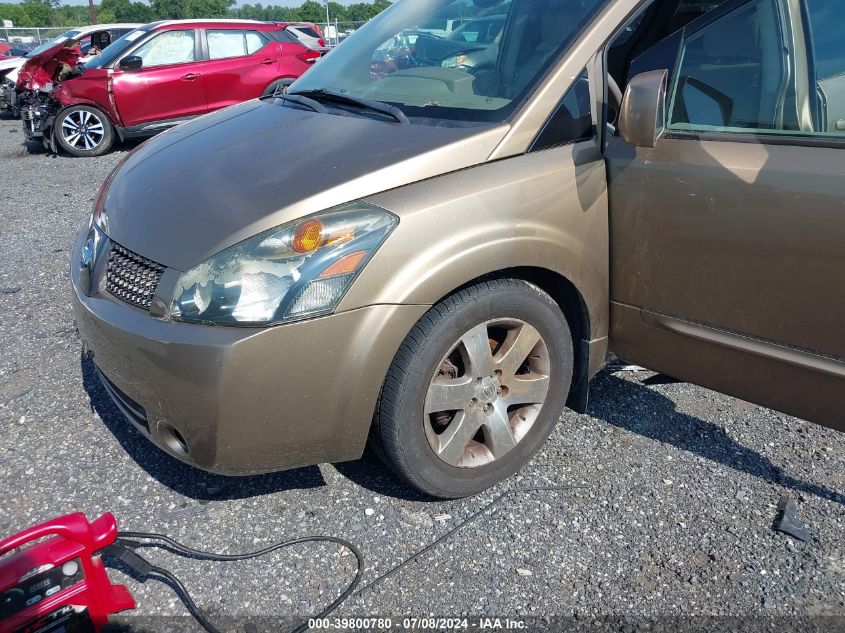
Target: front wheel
point(278, 87)
point(475, 389)
point(83, 130)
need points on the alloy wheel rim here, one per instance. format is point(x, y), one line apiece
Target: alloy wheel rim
point(83, 130)
point(487, 393)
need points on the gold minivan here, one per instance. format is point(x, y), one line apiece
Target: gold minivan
point(432, 240)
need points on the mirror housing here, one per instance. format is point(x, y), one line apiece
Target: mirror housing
point(642, 120)
point(132, 62)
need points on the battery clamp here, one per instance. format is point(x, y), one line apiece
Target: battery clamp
point(53, 578)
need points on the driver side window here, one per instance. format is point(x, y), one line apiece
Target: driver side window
point(741, 73)
point(168, 47)
point(732, 74)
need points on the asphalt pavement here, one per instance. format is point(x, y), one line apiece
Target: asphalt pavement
point(670, 490)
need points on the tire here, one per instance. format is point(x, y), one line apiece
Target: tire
point(83, 130)
point(421, 424)
point(279, 83)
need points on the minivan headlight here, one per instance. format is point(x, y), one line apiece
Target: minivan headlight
point(298, 270)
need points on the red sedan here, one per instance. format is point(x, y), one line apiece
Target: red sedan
point(155, 77)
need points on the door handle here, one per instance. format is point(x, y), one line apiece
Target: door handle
point(191, 77)
point(267, 62)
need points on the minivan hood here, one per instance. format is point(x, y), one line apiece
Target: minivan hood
point(40, 70)
point(205, 185)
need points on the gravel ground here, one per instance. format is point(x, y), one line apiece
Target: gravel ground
point(674, 519)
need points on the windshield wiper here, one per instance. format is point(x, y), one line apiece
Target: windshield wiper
point(298, 99)
point(321, 94)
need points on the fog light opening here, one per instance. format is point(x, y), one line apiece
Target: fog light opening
point(174, 440)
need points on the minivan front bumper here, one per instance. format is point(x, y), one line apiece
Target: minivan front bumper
point(241, 401)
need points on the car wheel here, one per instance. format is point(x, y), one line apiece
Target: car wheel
point(83, 130)
point(475, 389)
point(281, 84)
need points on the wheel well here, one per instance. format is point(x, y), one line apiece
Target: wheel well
point(564, 293)
point(572, 304)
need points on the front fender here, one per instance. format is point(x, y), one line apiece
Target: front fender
point(66, 101)
point(546, 210)
point(69, 94)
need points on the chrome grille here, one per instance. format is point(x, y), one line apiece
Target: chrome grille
point(131, 277)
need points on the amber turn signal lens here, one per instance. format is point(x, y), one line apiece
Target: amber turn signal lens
point(346, 265)
point(308, 237)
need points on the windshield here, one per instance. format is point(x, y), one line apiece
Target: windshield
point(116, 48)
point(56, 40)
point(454, 60)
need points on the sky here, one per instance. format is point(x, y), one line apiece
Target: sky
point(279, 3)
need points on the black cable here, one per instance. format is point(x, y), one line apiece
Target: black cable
point(144, 568)
point(125, 547)
point(186, 598)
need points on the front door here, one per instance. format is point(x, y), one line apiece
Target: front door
point(169, 85)
point(728, 238)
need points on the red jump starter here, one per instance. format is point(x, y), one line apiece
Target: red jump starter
point(57, 581)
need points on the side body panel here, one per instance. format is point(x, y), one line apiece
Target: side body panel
point(159, 93)
point(234, 79)
point(165, 92)
point(290, 64)
point(727, 268)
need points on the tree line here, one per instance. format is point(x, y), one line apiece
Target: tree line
point(50, 13)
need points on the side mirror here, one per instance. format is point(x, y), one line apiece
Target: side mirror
point(643, 116)
point(133, 62)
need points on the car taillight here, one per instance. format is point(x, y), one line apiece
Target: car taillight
point(321, 42)
point(309, 56)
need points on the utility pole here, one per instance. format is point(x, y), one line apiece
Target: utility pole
point(93, 11)
point(328, 18)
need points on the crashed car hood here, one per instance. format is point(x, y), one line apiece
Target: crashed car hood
point(7, 63)
point(211, 183)
point(42, 69)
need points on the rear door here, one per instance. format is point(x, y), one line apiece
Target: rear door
point(169, 85)
point(241, 64)
point(728, 238)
